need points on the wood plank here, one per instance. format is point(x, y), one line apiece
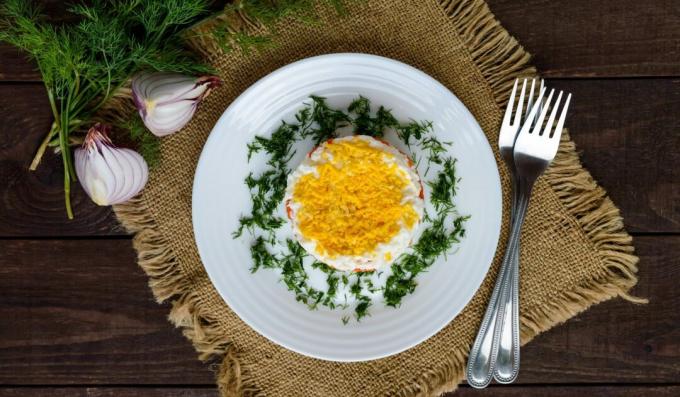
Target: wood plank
point(627, 129)
point(79, 312)
point(16, 66)
point(32, 203)
point(585, 38)
point(628, 132)
point(108, 392)
point(496, 391)
point(567, 37)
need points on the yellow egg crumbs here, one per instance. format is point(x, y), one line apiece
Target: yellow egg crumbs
point(355, 202)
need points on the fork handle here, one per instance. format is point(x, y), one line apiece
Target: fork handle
point(482, 359)
point(507, 362)
point(506, 339)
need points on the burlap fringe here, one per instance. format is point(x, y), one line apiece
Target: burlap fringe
point(188, 313)
point(501, 59)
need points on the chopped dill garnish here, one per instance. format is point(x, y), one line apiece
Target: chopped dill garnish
point(266, 193)
point(402, 282)
point(365, 124)
point(436, 240)
point(435, 149)
point(295, 277)
point(327, 120)
point(278, 147)
point(444, 186)
point(415, 130)
point(318, 122)
point(356, 289)
point(261, 256)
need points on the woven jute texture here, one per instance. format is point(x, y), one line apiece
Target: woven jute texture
point(575, 251)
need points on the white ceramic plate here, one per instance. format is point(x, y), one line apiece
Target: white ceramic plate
point(220, 198)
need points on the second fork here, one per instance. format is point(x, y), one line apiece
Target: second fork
point(533, 151)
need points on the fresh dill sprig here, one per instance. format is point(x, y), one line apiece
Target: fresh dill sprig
point(84, 63)
point(229, 40)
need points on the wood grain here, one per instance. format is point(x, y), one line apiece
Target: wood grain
point(628, 133)
point(627, 129)
point(32, 202)
point(582, 38)
point(79, 312)
point(108, 392)
point(606, 38)
point(502, 391)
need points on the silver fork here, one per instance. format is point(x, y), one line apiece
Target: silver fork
point(506, 339)
point(483, 355)
point(533, 150)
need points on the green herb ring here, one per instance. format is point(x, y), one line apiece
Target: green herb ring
point(318, 122)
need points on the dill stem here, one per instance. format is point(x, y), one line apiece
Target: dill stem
point(65, 140)
point(43, 146)
point(63, 144)
point(59, 120)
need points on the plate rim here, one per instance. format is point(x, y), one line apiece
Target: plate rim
point(497, 187)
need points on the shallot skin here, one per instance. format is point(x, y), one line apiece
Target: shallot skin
point(109, 174)
point(167, 101)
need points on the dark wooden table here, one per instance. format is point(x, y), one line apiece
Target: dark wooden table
point(76, 316)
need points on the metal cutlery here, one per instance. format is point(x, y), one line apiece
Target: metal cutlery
point(507, 356)
point(527, 144)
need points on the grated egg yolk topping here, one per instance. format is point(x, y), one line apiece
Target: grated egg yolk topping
point(354, 200)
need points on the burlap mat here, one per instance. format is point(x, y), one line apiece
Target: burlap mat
point(575, 251)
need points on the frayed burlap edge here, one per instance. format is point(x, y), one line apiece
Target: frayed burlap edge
point(167, 282)
point(500, 59)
